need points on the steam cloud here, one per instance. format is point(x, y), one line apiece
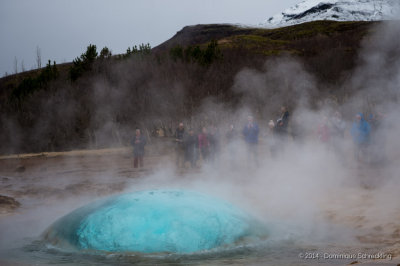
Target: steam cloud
point(309, 191)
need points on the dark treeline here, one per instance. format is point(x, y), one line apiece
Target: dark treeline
point(100, 99)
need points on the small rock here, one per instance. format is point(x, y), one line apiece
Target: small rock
point(8, 204)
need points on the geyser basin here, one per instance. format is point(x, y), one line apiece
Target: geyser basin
point(174, 221)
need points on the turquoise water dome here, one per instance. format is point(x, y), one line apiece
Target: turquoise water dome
point(173, 221)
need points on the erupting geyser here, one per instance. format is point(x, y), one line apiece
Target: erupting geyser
point(174, 221)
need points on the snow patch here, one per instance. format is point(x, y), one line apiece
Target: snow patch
point(338, 10)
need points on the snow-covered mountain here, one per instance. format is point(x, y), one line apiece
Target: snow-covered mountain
point(339, 10)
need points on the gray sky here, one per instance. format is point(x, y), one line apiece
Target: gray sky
point(62, 29)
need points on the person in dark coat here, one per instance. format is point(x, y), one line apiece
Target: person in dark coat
point(250, 132)
point(180, 148)
point(282, 124)
point(191, 144)
point(360, 132)
point(138, 143)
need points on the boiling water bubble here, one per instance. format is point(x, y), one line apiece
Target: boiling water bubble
point(174, 221)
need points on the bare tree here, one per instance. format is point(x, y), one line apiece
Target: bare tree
point(38, 57)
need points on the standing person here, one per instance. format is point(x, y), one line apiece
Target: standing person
point(191, 144)
point(204, 144)
point(282, 124)
point(250, 133)
point(179, 148)
point(138, 143)
point(361, 131)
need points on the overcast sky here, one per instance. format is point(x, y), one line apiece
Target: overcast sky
point(62, 29)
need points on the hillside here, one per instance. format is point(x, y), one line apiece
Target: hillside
point(272, 41)
point(114, 95)
point(198, 34)
point(336, 42)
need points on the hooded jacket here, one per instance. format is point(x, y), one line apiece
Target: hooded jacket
point(360, 130)
point(250, 133)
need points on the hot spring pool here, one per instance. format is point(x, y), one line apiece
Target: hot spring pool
point(156, 221)
point(166, 227)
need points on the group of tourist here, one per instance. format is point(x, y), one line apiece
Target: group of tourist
point(206, 144)
point(368, 146)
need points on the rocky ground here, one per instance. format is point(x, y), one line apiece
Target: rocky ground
point(32, 180)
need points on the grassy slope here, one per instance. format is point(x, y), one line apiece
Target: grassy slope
point(266, 40)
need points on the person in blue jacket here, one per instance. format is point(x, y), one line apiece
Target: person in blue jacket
point(250, 134)
point(360, 131)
